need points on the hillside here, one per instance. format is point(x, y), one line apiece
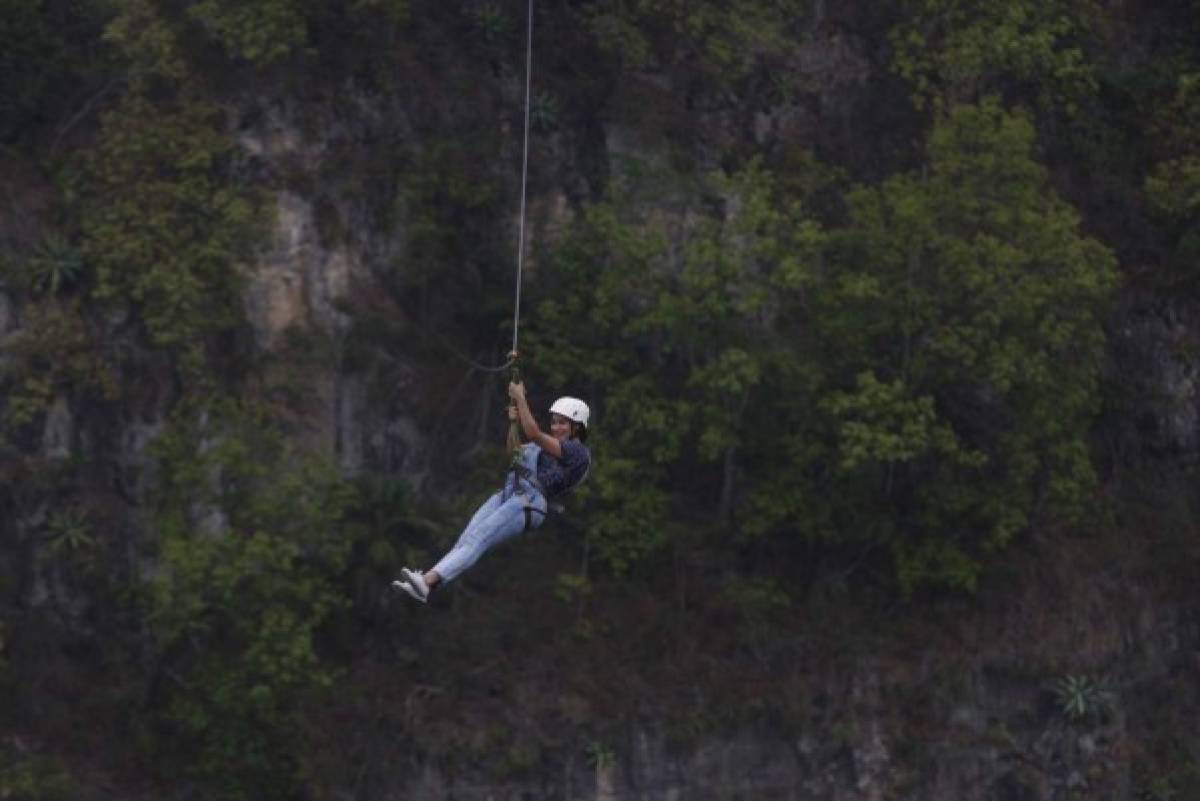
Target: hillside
point(887, 318)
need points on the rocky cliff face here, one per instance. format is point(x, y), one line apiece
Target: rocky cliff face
point(984, 713)
point(1154, 346)
point(981, 714)
point(1053, 696)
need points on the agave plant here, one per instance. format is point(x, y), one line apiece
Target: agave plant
point(1082, 697)
point(544, 111)
point(56, 265)
point(70, 531)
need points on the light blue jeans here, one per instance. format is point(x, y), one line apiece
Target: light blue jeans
point(500, 518)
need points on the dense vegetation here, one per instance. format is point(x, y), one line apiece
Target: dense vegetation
point(872, 357)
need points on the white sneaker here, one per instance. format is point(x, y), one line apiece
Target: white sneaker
point(404, 586)
point(417, 579)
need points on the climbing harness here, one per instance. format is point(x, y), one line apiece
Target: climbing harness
point(519, 473)
point(522, 473)
point(526, 503)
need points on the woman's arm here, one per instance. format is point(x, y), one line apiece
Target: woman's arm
point(529, 425)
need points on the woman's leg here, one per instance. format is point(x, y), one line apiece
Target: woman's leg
point(485, 531)
point(433, 576)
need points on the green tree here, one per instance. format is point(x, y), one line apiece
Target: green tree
point(921, 378)
point(167, 224)
point(964, 311)
point(725, 40)
point(251, 545)
point(673, 322)
point(56, 353)
point(263, 32)
point(586, 335)
point(1173, 185)
point(260, 32)
point(959, 51)
point(734, 55)
point(164, 226)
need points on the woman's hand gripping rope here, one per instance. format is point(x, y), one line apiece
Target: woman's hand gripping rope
point(514, 426)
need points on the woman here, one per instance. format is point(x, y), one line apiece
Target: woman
point(549, 465)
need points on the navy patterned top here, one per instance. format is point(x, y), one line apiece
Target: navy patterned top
point(558, 475)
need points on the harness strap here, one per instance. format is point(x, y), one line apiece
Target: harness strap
point(521, 472)
point(529, 509)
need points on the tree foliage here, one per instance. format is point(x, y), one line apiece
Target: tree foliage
point(55, 355)
point(974, 344)
point(953, 51)
point(165, 228)
point(1173, 186)
point(678, 353)
point(260, 32)
point(922, 377)
point(250, 545)
point(713, 45)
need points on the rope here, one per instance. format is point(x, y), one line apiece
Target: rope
point(514, 427)
point(462, 357)
point(512, 358)
point(524, 178)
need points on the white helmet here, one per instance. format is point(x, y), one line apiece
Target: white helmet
point(572, 409)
